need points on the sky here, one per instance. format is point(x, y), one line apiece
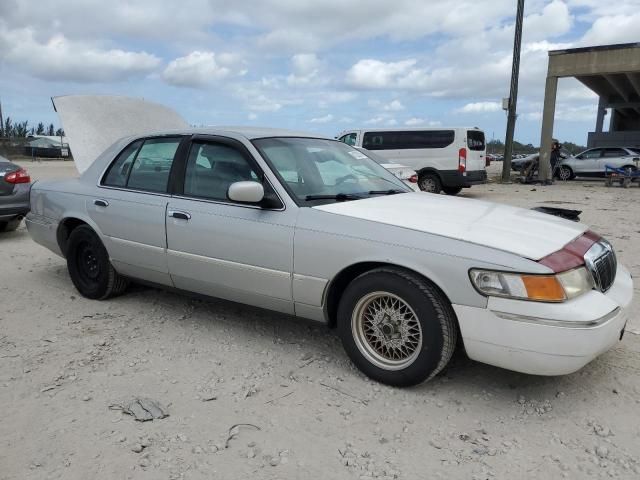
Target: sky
point(316, 65)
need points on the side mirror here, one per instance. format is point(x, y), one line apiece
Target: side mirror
point(246, 192)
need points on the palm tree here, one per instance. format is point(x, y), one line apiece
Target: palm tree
point(21, 129)
point(8, 127)
point(40, 129)
point(51, 130)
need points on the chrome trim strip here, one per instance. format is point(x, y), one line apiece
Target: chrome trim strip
point(228, 263)
point(558, 323)
point(122, 241)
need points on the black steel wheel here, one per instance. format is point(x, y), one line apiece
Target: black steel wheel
point(89, 266)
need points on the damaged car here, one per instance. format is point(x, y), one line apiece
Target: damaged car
point(310, 227)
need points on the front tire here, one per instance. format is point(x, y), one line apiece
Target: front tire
point(89, 267)
point(565, 173)
point(430, 182)
point(452, 190)
point(396, 327)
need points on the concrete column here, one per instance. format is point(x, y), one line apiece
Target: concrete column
point(601, 113)
point(546, 136)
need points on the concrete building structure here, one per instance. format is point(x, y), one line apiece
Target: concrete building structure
point(613, 73)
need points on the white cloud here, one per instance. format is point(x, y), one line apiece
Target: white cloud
point(252, 116)
point(200, 69)
point(58, 58)
point(383, 119)
point(393, 106)
point(369, 73)
point(325, 119)
point(555, 19)
point(613, 29)
point(480, 107)
point(306, 70)
point(421, 122)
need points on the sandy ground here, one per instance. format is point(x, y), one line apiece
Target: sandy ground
point(64, 360)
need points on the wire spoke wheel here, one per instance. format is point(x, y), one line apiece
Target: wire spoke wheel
point(564, 173)
point(386, 330)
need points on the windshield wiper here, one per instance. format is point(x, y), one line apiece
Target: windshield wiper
point(385, 192)
point(340, 197)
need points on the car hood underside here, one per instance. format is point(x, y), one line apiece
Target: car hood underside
point(523, 232)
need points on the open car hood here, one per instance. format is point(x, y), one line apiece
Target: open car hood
point(92, 123)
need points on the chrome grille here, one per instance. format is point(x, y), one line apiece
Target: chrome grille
point(601, 262)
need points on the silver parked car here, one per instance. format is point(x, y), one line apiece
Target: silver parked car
point(15, 183)
point(592, 162)
point(311, 227)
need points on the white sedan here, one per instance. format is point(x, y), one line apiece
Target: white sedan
point(308, 226)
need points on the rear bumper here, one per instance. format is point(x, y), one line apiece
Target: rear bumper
point(453, 178)
point(547, 339)
point(16, 204)
point(43, 231)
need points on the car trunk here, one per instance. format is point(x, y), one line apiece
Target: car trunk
point(476, 150)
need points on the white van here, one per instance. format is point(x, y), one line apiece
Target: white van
point(445, 159)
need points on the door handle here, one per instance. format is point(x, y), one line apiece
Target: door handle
point(180, 215)
point(101, 203)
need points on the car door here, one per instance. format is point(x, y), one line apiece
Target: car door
point(129, 207)
point(588, 162)
point(615, 157)
point(216, 247)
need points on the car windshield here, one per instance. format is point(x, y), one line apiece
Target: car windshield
point(318, 170)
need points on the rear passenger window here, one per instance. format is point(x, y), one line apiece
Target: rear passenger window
point(475, 140)
point(152, 165)
point(119, 170)
point(614, 152)
point(212, 168)
point(410, 139)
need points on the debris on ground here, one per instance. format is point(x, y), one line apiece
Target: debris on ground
point(142, 409)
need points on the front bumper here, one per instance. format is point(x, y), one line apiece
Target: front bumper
point(547, 338)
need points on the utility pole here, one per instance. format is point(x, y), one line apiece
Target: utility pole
point(513, 96)
point(1, 122)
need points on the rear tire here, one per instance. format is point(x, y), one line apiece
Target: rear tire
point(452, 190)
point(11, 225)
point(429, 182)
point(396, 327)
point(89, 267)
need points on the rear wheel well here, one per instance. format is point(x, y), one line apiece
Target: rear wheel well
point(64, 231)
point(345, 277)
point(429, 170)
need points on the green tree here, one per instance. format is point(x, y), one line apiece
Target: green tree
point(40, 129)
point(8, 127)
point(51, 130)
point(59, 132)
point(21, 129)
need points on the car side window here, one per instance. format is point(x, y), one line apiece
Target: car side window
point(614, 152)
point(595, 153)
point(212, 168)
point(118, 172)
point(152, 165)
point(349, 139)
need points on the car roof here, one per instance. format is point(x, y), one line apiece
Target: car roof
point(250, 133)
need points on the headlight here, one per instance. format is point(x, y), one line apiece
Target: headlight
point(540, 288)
